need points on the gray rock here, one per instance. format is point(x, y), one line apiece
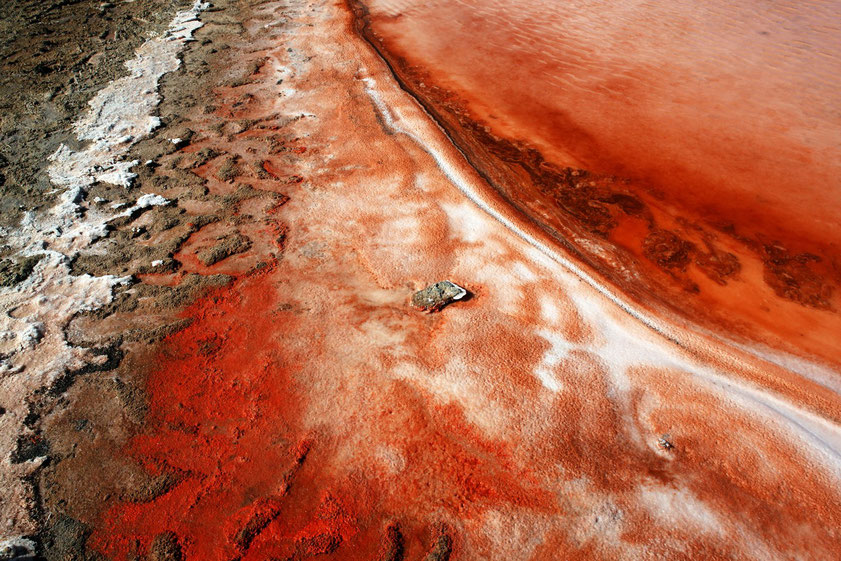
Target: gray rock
point(17, 548)
point(435, 296)
point(665, 442)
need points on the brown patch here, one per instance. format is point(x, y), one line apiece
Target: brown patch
point(229, 170)
point(392, 548)
point(227, 246)
point(165, 547)
point(792, 278)
point(668, 250)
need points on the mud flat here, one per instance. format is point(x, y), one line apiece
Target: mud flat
point(254, 382)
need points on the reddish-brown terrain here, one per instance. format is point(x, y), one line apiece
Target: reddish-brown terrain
point(646, 365)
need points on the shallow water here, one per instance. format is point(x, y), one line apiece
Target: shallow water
point(717, 104)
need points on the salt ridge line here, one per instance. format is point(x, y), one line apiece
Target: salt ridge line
point(35, 313)
point(813, 428)
point(451, 172)
point(817, 429)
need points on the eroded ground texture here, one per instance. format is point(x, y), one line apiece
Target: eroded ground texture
point(216, 217)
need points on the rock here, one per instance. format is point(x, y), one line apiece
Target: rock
point(436, 296)
point(17, 548)
point(665, 442)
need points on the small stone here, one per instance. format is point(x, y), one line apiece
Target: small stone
point(665, 443)
point(436, 296)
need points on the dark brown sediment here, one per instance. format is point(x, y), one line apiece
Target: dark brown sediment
point(55, 56)
point(726, 268)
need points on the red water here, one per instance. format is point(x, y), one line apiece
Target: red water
point(730, 108)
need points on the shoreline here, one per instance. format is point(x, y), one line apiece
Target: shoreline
point(656, 255)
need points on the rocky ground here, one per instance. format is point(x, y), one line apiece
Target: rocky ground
point(209, 348)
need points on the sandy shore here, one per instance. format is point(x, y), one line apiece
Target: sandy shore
point(222, 361)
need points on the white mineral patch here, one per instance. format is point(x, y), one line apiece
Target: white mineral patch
point(558, 351)
point(146, 201)
point(35, 313)
point(17, 548)
point(679, 507)
point(461, 292)
point(32, 335)
point(123, 112)
point(151, 200)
